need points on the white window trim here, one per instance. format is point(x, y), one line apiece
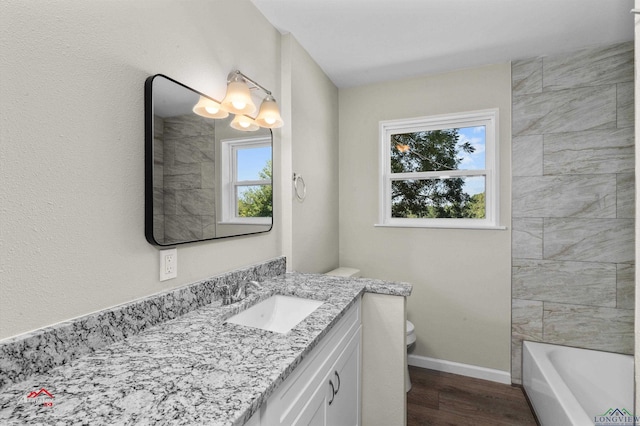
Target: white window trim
point(488, 118)
point(228, 173)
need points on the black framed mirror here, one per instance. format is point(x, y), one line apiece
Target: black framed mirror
point(204, 180)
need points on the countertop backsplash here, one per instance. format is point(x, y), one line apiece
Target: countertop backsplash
point(43, 349)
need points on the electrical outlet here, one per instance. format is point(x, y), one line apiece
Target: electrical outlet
point(168, 264)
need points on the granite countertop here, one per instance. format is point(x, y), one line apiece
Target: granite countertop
point(194, 369)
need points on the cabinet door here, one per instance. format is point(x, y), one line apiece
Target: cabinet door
point(314, 412)
point(344, 409)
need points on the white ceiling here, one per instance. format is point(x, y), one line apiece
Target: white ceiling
point(358, 42)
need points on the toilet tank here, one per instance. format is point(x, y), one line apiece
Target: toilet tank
point(344, 271)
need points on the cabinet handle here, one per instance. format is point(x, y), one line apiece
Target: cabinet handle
point(333, 392)
point(337, 377)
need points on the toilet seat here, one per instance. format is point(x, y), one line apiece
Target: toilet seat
point(411, 333)
point(410, 327)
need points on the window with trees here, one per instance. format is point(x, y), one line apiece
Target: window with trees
point(440, 171)
point(247, 185)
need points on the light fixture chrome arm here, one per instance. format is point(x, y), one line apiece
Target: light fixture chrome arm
point(232, 74)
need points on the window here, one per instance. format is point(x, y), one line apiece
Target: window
point(247, 187)
point(440, 171)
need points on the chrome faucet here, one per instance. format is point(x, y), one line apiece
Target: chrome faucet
point(240, 293)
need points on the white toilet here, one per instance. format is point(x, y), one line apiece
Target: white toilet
point(411, 339)
point(410, 329)
point(345, 272)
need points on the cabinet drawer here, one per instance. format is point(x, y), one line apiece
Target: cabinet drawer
point(300, 386)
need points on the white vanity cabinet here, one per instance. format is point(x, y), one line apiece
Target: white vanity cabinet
point(337, 400)
point(325, 388)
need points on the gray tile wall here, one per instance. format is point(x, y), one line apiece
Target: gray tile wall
point(186, 157)
point(573, 201)
point(158, 178)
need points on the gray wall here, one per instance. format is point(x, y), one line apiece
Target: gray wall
point(461, 278)
point(573, 201)
point(72, 107)
point(311, 101)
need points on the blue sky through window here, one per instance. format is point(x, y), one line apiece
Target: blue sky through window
point(251, 161)
point(476, 136)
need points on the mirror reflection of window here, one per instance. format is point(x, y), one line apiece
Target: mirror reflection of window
point(248, 188)
point(253, 181)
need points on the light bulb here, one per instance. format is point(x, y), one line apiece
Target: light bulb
point(208, 108)
point(244, 123)
point(239, 105)
point(269, 120)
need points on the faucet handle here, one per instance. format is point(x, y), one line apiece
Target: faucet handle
point(229, 294)
point(241, 292)
point(232, 295)
point(256, 284)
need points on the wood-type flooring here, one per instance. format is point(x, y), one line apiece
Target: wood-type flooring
point(438, 398)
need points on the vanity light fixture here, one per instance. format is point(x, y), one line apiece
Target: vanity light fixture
point(238, 101)
point(209, 108)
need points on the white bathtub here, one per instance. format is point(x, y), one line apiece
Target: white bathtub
point(570, 386)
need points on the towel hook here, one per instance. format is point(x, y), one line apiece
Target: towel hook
point(298, 184)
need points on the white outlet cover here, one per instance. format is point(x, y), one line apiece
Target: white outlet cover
point(168, 264)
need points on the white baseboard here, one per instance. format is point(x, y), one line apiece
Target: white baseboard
point(468, 370)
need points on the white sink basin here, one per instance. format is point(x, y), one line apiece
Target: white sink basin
point(277, 313)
